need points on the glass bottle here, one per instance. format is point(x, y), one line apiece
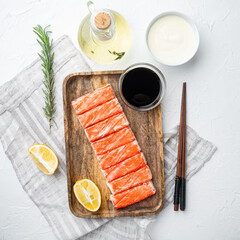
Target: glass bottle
point(104, 35)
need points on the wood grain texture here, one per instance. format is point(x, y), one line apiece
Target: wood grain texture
point(82, 162)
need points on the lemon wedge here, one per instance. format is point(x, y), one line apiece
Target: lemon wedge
point(44, 157)
point(88, 194)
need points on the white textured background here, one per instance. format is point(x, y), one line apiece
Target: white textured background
point(213, 88)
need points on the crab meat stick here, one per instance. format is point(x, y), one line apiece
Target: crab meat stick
point(93, 99)
point(106, 127)
point(130, 180)
point(100, 113)
point(123, 168)
point(118, 155)
point(133, 195)
point(113, 141)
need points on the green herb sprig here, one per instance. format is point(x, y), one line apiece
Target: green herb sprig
point(118, 54)
point(47, 56)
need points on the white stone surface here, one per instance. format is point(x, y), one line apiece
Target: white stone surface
point(213, 89)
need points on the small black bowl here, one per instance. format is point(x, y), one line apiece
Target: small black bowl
point(142, 86)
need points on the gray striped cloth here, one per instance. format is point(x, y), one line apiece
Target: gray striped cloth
point(22, 123)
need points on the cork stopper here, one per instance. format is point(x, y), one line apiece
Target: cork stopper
point(102, 20)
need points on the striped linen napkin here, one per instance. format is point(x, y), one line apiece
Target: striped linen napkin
point(22, 123)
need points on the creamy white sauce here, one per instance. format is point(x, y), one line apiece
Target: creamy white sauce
point(172, 40)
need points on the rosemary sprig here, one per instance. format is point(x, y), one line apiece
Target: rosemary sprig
point(47, 62)
point(118, 54)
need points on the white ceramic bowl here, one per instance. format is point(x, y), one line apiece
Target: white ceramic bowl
point(186, 18)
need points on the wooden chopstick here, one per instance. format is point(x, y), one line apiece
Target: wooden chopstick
point(183, 165)
point(179, 193)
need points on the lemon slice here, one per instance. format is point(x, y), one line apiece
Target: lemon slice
point(88, 194)
point(44, 157)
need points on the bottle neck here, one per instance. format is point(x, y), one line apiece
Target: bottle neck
point(103, 24)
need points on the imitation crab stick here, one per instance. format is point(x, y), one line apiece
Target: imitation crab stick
point(127, 166)
point(93, 99)
point(106, 127)
point(133, 195)
point(113, 141)
point(118, 155)
point(100, 113)
point(130, 180)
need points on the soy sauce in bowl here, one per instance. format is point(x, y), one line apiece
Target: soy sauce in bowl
point(142, 86)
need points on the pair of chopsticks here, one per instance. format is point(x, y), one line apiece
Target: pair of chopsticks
point(180, 181)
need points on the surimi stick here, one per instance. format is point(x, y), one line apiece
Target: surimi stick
point(133, 195)
point(130, 180)
point(123, 168)
point(93, 99)
point(118, 155)
point(100, 113)
point(113, 141)
point(106, 127)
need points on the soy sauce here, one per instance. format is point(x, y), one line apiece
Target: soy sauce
point(141, 87)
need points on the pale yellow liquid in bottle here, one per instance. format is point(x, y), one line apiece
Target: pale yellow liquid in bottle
point(98, 51)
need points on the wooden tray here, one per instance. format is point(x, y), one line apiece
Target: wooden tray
point(82, 162)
